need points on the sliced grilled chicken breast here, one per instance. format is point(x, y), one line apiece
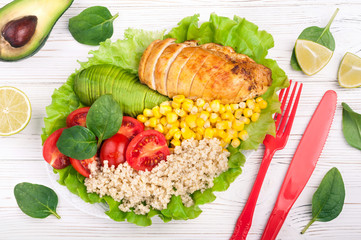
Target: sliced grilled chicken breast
point(209, 71)
point(144, 59)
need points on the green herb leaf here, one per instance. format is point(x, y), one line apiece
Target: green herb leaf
point(92, 26)
point(104, 118)
point(319, 35)
point(351, 126)
point(77, 142)
point(327, 202)
point(35, 200)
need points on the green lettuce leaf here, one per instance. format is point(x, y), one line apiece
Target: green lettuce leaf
point(238, 33)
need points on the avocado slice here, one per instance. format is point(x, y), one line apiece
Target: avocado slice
point(25, 25)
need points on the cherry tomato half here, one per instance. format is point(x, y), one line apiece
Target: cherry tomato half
point(51, 152)
point(113, 150)
point(146, 150)
point(77, 117)
point(131, 127)
point(82, 165)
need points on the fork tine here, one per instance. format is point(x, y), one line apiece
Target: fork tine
point(293, 113)
point(278, 116)
point(289, 105)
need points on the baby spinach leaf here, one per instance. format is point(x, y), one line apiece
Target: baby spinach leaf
point(351, 126)
point(104, 118)
point(319, 35)
point(327, 201)
point(77, 142)
point(92, 26)
point(35, 200)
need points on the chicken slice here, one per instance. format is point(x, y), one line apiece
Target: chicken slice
point(144, 59)
point(157, 50)
point(176, 69)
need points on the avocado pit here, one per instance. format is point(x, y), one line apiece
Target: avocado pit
point(19, 32)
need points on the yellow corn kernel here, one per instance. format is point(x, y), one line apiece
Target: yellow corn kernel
point(180, 112)
point(191, 121)
point(204, 115)
point(194, 110)
point(163, 121)
point(156, 112)
point(146, 123)
point(187, 133)
point(255, 117)
point(200, 122)
point(243, 135)
point(208, 133)
point(187, 105)
point(176, 105)
point(263, 104)
point(179, 98)
point(200, 130)
point(200, 102)
point(168, 136)
point(250, 103)
point(221, 133)
point(227, 139)
point(164, 109)
point(142, 118)
point(227, 115)
point(242, 105)
point(183, 124)
point(199, 136)
point(175, 142)
point(228, 107)
point(159, 128)
point(207, 124)
point(238, 113)
point(237, 125)
point(148, 112)
point(175, 124)
point(171, 117)
point(205, 106)
point(222, 109)
point(215, 105)
point(257, 109)
point(247, 112)
point(213, 117)
point(234, 107)
point(222, 125)
point(224, 144)
point(232, 133)
point(166, 103)
point(259, 99)
point(177, 135)
point(247, 121)
point(173, 130)
point(152, 122)
point(235, 142)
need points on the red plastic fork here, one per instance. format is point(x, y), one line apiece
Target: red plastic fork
point(284, 123)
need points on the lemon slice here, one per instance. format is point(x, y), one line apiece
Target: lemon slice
point(311, 56)
point(15, 111)
point(349, 72)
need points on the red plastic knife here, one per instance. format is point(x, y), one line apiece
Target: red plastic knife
point(303, 163)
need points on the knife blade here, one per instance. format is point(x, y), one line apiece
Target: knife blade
point(303, 163)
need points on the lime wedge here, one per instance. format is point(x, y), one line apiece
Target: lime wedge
point(311, 56)
point(15, 111)
point(349, 72)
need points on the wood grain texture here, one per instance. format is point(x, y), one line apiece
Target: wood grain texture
point(21, 155)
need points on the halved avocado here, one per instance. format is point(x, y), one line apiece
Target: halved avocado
point(25, 25)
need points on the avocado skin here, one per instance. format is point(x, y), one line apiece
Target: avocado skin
point(21, 8)
point(126, 89)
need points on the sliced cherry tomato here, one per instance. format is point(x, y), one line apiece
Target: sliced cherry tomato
point(82, 165)
point(77, 117)
point(113, 150)
point(131, 127)
point(51, 152)
point(146, 150)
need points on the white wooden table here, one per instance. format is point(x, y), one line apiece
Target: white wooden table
point(21, 155)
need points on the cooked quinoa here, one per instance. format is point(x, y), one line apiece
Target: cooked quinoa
point(191, 167)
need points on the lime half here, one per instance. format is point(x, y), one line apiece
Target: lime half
point(15, 111)
point(349, 72)
point(311, 56)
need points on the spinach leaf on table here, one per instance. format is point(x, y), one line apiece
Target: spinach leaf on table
point(319, 35)
point(327, 201)
point(35, 200)
point(77, 142)
point(351, 126)
point(92, 26)
point(104, 118)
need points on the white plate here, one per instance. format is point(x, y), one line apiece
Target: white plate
point(96, 209)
